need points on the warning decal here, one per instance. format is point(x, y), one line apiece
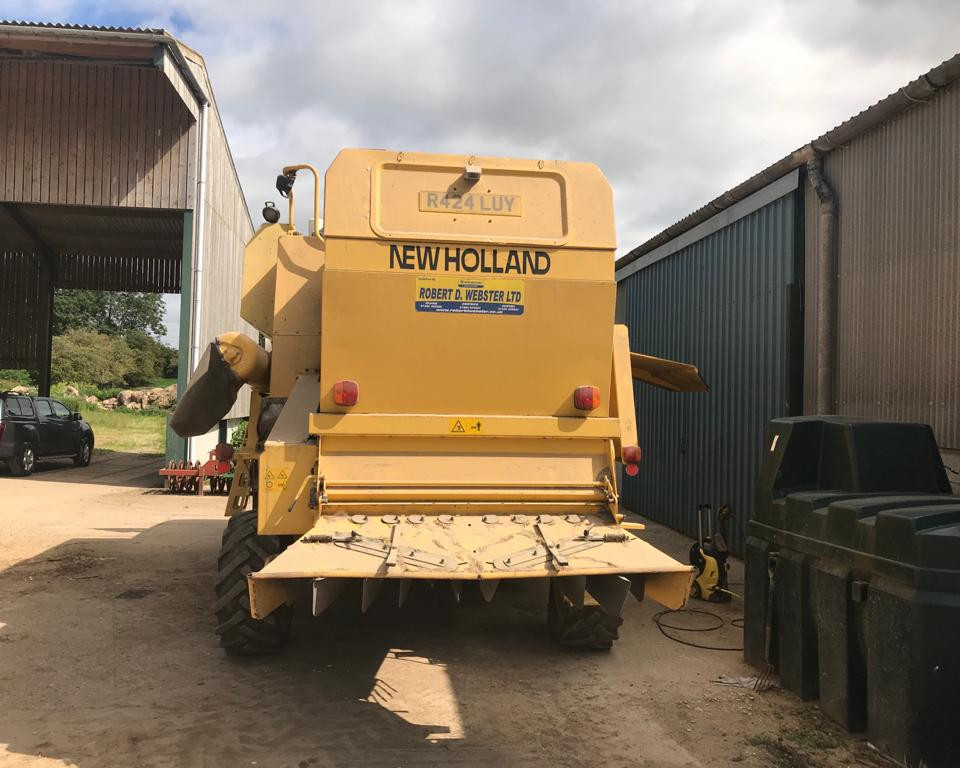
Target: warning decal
point(469, 296)
point(272, 482)
point(464, 426)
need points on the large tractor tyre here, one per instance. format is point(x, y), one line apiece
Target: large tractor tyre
point(24, 461)
point(241, 552)
point(588, 628)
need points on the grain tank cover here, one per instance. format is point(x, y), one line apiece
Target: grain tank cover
point(473, 285)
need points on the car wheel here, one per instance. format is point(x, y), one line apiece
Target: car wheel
point(82, 458)
point(24, 462)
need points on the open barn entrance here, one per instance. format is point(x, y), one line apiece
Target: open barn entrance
point(46, 247)
point(61, 254)
point(115, 175)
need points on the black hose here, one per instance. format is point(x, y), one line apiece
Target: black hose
point(663, 627)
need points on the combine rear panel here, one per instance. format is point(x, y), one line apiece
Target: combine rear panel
point(448, 397)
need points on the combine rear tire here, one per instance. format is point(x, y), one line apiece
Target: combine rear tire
point(589, 628)
point(243, 552)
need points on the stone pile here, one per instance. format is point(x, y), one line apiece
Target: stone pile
point(138, 399)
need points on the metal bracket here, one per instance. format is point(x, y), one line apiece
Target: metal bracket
point(607, 537)
point(390, 551)
point(558, 557)
point(538, 556)
point(394, 551)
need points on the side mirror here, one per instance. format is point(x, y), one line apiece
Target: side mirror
point(75, 416)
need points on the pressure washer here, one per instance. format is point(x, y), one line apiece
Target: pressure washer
point(709, 555)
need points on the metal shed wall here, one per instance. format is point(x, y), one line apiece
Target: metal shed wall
point(227, 228)
point(722, 302)
point(898, 257)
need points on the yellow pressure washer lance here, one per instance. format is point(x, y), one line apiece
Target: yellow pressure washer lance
point(709, 556)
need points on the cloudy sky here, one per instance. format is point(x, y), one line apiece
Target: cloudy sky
point(676, 101)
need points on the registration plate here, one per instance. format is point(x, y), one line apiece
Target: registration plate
point(481, 204)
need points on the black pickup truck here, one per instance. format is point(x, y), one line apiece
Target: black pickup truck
point(33, 428)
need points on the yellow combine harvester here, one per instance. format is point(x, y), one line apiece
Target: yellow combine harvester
point(446, 397)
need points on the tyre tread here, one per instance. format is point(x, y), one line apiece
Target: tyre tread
point(243, 552)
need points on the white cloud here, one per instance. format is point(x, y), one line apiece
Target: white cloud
point(675, 101)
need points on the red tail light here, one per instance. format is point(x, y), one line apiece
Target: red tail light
point(632, 454)
point(586, 398)
point(346, 392)
point(631, 469)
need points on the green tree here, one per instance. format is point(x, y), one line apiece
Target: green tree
point(145, 363)
point(108, 312)
point(152, 359)
point(86, 357)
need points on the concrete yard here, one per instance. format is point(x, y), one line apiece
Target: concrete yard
point(108, 658)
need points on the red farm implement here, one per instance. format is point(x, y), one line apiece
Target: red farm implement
point(184, 477)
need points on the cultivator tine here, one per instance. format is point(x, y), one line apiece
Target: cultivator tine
point(457, 587)
point(572, 588)
point(488, 588)
point(609, 591)
point(403, 592)
point(371, 588)
point(325, 591)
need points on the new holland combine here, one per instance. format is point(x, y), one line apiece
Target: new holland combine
point(444, 397)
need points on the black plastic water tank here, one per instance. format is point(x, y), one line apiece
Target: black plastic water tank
point(858, 519)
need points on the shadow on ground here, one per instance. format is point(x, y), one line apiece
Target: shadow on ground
point(130, 470)
point(108, 658)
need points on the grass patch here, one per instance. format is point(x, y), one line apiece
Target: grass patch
point(128, 431)
point(811, 738)
point(780, 754)
point(161, 382)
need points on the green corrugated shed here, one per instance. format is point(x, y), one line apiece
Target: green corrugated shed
point(725, 298)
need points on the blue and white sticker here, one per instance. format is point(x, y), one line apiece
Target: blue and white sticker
point(469, 296)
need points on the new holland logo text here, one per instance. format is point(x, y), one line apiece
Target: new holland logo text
point(448, 258)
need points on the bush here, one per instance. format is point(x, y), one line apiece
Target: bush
point(74, 403)
point(87, 356)
point(17, 376)
point(58, 390)
point(153, 359)
point(239, 436)
point(101, 365)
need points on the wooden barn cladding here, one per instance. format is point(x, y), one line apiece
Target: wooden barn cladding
point(19, 309)
point(94, 134)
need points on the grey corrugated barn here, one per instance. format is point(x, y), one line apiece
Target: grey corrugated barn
point(115, 174)
point(827, 283)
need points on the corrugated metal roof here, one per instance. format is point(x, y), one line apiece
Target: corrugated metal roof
point(909, 96)
point(81, 27)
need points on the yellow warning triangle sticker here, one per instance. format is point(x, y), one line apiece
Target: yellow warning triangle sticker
point(269, 475)
point(458, 427)
point(282, 475)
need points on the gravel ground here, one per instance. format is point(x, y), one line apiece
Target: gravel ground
point(108, 658)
